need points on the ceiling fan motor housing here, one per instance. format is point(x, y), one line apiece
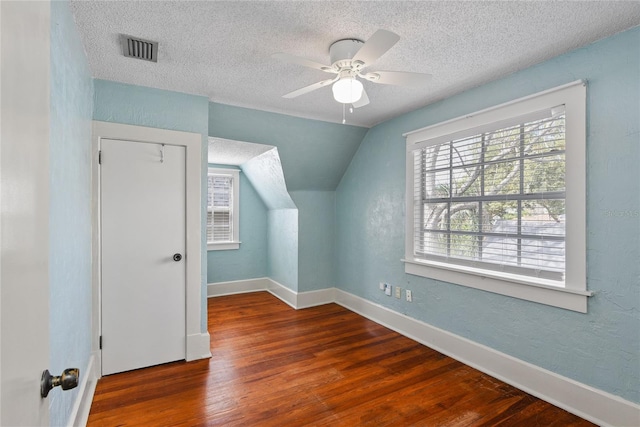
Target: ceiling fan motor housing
point(342, 51)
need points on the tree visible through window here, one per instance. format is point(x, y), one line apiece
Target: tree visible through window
point(495, 198)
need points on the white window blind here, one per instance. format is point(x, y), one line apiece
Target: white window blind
point(494, 197)
point(220, 208)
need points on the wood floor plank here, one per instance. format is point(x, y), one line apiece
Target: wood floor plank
point(321, 366)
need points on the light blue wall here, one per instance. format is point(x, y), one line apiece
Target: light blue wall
point(70, 208)
point(314, 154)
point(250, 261)
point(601, 348)
point(143, 106)
point(283, 247)
point(264, 232)
point(266, 175)
point(316, 221)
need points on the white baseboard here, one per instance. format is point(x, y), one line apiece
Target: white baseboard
point(587, 402)
point(237, 287)
point(285, 294)
point(87, 387)
point(198, 346)
point(314, 298)
point(294, 299)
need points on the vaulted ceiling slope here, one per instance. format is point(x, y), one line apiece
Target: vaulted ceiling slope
point(314, 154)
point(222, 49)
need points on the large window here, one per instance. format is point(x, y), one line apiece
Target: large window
point(496, 199)
point(222, 209)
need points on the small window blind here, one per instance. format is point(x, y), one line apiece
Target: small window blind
point(494, 197)
point(220, 209)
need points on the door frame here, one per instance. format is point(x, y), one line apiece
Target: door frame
point(197, 342)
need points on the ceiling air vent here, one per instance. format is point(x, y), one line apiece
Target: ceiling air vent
point(140, 49)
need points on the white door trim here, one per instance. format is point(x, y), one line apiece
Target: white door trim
point(193, 146)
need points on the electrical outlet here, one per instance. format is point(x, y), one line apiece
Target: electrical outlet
point(409, 296)
point(387, 289)
point(398, 292)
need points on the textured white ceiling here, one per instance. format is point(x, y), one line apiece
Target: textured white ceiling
point(228, 152)
point(222, 49)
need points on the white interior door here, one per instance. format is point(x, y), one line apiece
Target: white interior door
point(142, 228)
point(24, 212)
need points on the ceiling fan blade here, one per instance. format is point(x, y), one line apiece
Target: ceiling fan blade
point(364, 100)
point(377, 45)
point(303, 61)
point(309, 88)
point(398, 78)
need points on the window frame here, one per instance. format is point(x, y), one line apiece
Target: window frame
point(574, 294)
point(235, 209)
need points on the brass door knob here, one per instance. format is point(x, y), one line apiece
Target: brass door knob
point(68, 380)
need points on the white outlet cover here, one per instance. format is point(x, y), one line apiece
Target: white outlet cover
point(387, 291)
point(409, 296)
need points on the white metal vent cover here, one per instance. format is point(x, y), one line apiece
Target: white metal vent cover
point(133, 47)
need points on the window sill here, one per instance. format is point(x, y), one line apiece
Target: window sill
point(223, 246)
point(540, 291)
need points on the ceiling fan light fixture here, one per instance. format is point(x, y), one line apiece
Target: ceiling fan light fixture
point(347, 90)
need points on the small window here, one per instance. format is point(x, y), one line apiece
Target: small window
point(496, 199)
point(222, 209)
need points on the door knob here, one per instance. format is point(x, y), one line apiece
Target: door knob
point(177, 257)
point(68, 380)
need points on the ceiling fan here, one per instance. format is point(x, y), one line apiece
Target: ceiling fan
point(348, 59)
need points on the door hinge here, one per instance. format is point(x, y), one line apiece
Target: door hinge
point(100, 157)
point(100, 342)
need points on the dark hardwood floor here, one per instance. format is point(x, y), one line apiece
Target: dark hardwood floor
point(322, 366)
